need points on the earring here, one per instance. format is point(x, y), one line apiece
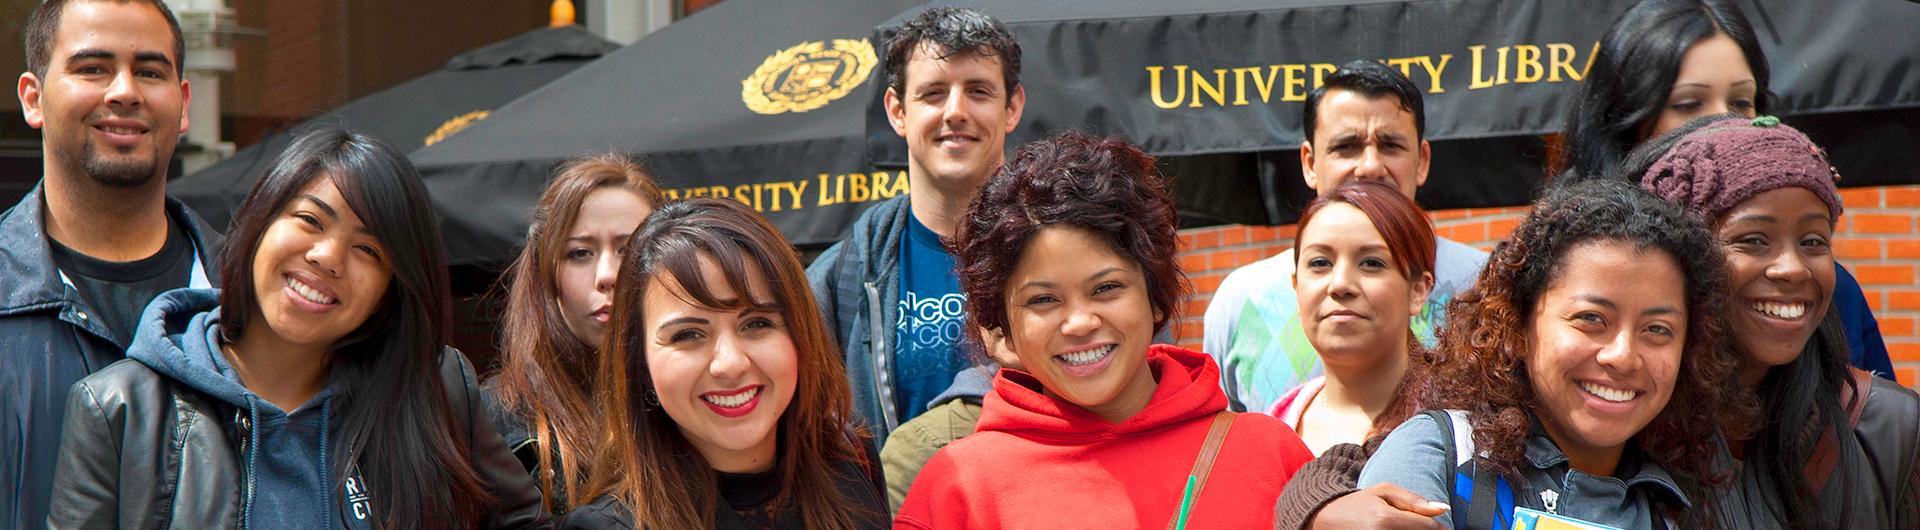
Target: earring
point(653, 399)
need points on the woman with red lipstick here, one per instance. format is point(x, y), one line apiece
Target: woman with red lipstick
point(1067, 256)
point(314, 390)
point(1583, 375)
point(558, 302)
point(1840, 449)
point(724, 399)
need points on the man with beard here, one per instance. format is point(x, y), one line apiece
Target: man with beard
point(97, 238)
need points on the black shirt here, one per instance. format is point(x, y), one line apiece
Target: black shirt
point(118, 291)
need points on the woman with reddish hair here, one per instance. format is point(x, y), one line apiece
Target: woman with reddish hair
point(1067, 259)
point(1365, 265)
point(1365, 268)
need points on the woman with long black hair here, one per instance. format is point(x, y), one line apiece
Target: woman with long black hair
point(314, 390)
point(1665, 62)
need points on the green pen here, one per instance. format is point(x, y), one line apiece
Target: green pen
point(1186, 503)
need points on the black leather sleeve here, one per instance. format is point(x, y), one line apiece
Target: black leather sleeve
point(516, 503)
point(86, 481)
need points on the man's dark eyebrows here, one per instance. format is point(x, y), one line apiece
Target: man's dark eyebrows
point(153, 57)
point(89, 53)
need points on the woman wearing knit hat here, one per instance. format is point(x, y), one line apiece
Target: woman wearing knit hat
point(1839, 449)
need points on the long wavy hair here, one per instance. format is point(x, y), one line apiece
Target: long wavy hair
point(545, 370)
point(642, 459)
point(395, 424)
point(1634, 71)
point(1480, 365)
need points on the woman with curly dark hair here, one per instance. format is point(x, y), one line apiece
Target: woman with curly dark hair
point(1067, 259)
point(1839, 448)
point(1556, 370)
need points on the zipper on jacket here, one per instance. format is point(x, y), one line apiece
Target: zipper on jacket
point(883, 357)
point(248, 444)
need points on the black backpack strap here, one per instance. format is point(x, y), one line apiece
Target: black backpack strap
point(1483, 508)
point(1445, 422)
point(1449, 469)
point(1485, 505)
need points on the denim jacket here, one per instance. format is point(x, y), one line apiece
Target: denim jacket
point(50, 339)
point(857, 284)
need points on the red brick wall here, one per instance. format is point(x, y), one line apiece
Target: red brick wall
point(1877, 239)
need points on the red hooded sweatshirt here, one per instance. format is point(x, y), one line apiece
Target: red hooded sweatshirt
point(1039, 462)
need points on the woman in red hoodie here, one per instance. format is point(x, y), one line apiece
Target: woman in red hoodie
point(1067, 260)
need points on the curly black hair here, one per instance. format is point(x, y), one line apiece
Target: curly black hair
point(1106, 186)
point(1480, 363)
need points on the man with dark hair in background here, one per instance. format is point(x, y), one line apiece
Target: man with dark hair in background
point(1365, 121)
point(97, 238)
point(888, 290)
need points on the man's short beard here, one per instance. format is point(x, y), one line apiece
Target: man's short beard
point(111, 173)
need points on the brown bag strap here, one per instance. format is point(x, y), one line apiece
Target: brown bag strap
point(1826, 452)
point(1202, 465)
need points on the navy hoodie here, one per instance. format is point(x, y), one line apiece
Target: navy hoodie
point(285, 460)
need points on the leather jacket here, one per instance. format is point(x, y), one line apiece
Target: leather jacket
point(145, 451)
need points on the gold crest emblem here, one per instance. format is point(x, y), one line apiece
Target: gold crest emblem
point(807, 76)
point(454, 125)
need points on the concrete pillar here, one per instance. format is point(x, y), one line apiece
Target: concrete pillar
point(206, 26)
point(625, 21)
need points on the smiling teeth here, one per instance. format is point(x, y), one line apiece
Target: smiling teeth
point(120, 130)
point(1087, 357)
point(309, 293)
point(733, 400)
point(1609, 394)
point(1784, 311)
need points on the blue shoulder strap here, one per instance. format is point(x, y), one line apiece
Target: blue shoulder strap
point(1487, 497)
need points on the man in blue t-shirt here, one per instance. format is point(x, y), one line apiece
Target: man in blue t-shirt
point(953, 92)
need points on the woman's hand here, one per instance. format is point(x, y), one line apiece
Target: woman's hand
point(1380, 506)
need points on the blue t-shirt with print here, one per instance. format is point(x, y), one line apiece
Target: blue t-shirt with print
point(926, 352)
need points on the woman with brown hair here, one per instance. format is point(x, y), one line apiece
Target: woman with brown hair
point(558, 301)
point(1555, 372)
point(724, 397)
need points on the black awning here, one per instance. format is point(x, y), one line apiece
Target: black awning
point(411, 114)
point(1210, 77)
point(759, 100)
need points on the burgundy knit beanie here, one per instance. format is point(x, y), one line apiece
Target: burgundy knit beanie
point(1722, 164)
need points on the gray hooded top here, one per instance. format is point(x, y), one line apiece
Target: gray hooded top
point(285, 456)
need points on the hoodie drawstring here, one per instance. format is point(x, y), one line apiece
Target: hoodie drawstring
point(326, 473)
point(253, 448)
